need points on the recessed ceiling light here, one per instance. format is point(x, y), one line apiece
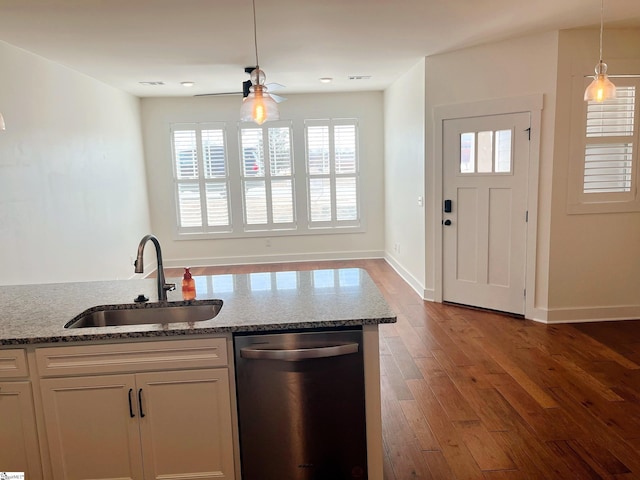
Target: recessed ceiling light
point(153, 84)
point(326, 79)
point(187, 84)
point(359, 77)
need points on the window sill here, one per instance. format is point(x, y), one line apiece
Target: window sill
point(271, 233)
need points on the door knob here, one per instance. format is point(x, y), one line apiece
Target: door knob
point(447, 222)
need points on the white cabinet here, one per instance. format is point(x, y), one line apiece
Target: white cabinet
point(19, 449)
point(90, 433)
point(164, 423)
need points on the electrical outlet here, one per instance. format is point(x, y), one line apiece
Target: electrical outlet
point(267, 242)
point(396, 247)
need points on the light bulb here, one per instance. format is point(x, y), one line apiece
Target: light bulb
point(259, 111)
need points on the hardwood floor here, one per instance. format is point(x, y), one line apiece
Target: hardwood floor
point(468, 394)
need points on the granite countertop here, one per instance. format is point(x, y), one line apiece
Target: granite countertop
point(252, 302)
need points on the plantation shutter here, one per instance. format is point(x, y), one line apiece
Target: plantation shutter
point(201, 178)
point(609, 150)
point(333, 177)
point(268, 191)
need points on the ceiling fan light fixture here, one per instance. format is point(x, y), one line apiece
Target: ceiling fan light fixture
point(601, 88)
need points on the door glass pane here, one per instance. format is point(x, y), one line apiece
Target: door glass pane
point(485, 152)
point(468, 152)
point(503, 151)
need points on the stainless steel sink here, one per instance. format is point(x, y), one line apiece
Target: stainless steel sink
point(145, 314)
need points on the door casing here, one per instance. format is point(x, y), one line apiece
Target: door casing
point(531, 104)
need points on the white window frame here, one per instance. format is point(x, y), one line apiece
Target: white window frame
point(580, 202)
point(235, 178)
point(333, 176)
point(200, 180)
point(269, 179)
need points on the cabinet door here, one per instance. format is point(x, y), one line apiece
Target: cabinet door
point(19, 449)
point(92, 427)
point(186, 428)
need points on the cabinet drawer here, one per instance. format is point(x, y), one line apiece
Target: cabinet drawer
point(13, 363)
point(131, 357)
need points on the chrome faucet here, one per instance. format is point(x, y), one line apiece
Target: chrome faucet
point(163, 287)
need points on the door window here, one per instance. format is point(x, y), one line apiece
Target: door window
point(486, 152)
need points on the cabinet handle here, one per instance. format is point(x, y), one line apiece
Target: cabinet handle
point(131, 414)
point(140, 403)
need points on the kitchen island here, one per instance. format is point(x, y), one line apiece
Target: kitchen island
point(45, 361)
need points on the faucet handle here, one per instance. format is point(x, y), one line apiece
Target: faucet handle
point(169, 286)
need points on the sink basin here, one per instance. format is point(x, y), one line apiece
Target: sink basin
point(145, 314)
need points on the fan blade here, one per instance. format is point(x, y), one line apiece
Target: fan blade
point(274, 86)
point(220, 94)
point(277, 98)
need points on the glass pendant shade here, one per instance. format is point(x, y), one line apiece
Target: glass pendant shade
point(601, 88)
point(2, 125)
point(258, 106)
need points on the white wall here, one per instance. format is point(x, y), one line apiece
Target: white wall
point(159, 113)
point(404, 117)
point(73, 199)
point(513, 68)
point(594, 268)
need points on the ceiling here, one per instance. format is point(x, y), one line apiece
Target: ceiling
point(209, 42)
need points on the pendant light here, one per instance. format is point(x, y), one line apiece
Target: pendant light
point(258, 106)
point(601, 88)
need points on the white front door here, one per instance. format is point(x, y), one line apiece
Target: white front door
point(485, 164)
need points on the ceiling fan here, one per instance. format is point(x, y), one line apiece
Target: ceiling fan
point(246, 85)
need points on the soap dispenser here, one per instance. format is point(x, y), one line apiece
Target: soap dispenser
point(188, 285)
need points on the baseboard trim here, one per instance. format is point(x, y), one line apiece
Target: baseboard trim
point(593, 314)
point(276, 258)
point(409, 278)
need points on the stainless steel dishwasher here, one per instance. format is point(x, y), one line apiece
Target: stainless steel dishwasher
point(301, 405)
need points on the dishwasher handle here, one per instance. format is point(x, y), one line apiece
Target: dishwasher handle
point(298, 354)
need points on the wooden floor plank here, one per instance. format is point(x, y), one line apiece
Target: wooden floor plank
point(401, 444)
point(483, 447)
